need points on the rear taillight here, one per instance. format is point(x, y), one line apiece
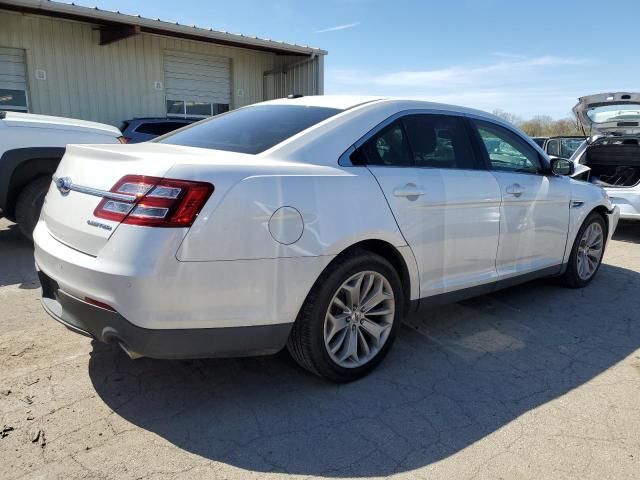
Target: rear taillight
point(154, 202)
point(124, 139)
point(98, 303)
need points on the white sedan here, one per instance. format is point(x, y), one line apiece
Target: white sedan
point(315, 223)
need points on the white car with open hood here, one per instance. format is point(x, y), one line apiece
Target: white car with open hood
point(611, 155)
point(315, 223)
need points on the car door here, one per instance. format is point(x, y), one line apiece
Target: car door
point(446, 207)
point(534, 214)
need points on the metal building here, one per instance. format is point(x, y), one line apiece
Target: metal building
point(72, 61)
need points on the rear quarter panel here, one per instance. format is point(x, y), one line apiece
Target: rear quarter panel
point(338, 206)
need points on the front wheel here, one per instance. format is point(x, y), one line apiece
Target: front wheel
point(349, 319)
point(587, 252)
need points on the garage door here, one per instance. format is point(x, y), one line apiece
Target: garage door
point(13, 80)
point(196, 85)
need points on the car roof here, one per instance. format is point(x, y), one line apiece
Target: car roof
point(568, 136)
point(341, 102)
point(345, 102)
point(162, 119)
point(363, 113)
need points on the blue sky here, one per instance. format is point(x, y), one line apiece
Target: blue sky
point(524, 57)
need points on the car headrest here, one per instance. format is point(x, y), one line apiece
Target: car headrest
point(423, 137)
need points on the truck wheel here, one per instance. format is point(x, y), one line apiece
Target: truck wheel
point(29, 204)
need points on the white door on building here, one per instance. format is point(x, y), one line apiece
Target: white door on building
point(13, 80)
point(196, 85)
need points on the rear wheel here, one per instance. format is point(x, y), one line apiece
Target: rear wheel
point(349, 319)
point(587, 252)
point(29, 204)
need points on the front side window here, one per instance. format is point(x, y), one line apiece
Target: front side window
point(507, 151)
point(250, 130)
point(553, 147)
point(439, 141)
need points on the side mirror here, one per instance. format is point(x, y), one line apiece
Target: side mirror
point(562, 166)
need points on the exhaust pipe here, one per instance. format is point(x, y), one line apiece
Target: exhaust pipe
point(132, 355)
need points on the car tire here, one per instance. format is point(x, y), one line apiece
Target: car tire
point(29, 204)
point(592, 231)
point(370, 328)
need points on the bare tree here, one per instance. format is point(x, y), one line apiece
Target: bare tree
point(508, 117)
point(542, 125)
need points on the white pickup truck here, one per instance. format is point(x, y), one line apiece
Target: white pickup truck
point(31, 147)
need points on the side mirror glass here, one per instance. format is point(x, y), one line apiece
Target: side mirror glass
point(562, 166)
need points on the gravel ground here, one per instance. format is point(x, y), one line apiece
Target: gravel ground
point(537, 381)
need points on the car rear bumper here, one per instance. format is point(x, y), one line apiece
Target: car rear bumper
point(627, 200)
point(109, 326)
point(140, 277)
point(612, 220)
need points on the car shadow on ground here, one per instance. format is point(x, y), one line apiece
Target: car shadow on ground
point(16, 259)
point(627, 232)
point(454, 376)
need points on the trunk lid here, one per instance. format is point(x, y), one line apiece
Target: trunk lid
point(69, 214)
point(616, 113)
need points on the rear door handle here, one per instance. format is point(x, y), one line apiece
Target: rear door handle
point(409, 190)
point(516, 190)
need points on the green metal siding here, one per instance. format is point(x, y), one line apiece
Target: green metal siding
point(115, 82)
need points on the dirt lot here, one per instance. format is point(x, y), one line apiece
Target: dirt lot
point(533, 382)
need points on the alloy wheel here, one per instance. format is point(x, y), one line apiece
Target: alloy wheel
point(590, 251)
point(359, 319)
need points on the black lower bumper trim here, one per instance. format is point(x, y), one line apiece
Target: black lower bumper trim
point(111, 327)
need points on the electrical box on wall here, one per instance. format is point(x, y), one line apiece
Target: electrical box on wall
point(157, 85)
point(41, 74)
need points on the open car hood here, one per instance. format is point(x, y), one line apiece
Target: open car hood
point(609, 112)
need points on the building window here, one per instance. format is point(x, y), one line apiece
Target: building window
point(194, 109)
point(13, 100)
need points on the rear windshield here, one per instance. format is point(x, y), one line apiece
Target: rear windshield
point(250, 130)
point(612, 113)
point(159, 128)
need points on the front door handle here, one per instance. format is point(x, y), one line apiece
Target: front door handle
point(409, 190)
point(516, 190)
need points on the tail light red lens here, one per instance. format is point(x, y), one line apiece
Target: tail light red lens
point(124, 139)
point(155, 202)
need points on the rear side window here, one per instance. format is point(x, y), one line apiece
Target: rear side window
point(439, 141)
point(388, 147)
point(159, 128)
point(420, 140)
point(250, 130)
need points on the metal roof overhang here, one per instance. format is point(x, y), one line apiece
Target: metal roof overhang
point(115, 26)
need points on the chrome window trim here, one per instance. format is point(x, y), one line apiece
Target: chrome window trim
point(345, 161)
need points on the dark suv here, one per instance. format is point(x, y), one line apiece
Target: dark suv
point(561, 146)
point(143, 129)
